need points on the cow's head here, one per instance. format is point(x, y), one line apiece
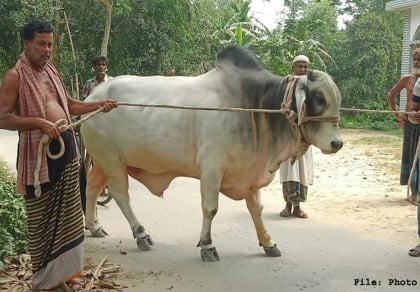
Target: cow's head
point(318, 103)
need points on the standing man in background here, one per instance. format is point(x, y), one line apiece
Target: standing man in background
point(100, 65)
point(411, 132)
point(296, 177)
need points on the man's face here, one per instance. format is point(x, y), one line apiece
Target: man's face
point(416, 64)
point(300, 68)
point(100, 69)
point(39, 49)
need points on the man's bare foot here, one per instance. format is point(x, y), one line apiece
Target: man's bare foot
point(414, 199)
point(298, 212)
point(287, 211)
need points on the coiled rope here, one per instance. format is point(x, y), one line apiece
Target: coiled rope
point(45, 140)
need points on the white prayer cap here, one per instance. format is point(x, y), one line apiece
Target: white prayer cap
point(301, 58)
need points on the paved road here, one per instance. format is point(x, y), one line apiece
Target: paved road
point(8, 148)
point(316, 255)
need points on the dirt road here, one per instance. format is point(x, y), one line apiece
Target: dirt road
point(357, 235)
point(359, 230)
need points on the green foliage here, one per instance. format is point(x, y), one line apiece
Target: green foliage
point(356, 7)
point(13, 237)
point(368, 58)
point(375, 121)
point(310, 31)
point(154, 36)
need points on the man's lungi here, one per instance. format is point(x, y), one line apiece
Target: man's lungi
point(55, 220)
point(296, 177)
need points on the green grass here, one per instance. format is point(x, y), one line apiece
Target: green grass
point(368, 121)
point(13, 237)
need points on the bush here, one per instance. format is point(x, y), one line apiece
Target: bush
point(373, 121)
point(13, 237)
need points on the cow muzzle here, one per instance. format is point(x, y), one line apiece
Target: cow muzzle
point(335, 146)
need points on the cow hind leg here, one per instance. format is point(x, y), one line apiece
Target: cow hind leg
point(255, 207)
point(96, 181)
point(118, 187)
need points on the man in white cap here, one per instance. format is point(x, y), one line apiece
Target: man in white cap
point(296, 177)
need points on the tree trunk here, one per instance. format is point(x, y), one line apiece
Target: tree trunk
point(108, 6)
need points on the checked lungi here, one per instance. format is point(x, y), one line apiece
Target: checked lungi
point(295, 178)
point(55, 221)
point(294, 192)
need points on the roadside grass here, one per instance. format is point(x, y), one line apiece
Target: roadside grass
point(13, 237)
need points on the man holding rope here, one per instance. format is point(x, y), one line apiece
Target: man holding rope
point(32, 101)
point(411, 130)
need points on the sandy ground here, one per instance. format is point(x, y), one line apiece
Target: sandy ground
point(359, 227)
point(358, 187)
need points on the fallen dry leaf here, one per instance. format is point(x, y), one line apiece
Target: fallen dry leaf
point(17, 276)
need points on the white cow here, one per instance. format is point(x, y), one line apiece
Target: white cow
point(234, 153)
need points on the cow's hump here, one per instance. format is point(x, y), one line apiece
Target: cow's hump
point(239, 57)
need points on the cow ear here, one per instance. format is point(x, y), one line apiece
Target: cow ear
point(311, 75)
point(300, 95)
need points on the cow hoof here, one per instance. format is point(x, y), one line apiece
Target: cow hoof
point(145, 242)
point(98, 233)
point(272, 251)
point(209, 255)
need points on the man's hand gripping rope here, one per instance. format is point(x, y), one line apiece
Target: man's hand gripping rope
point(45, 140)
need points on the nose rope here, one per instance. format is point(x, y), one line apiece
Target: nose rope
point(298, 129)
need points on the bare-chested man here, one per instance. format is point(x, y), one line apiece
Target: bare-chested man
point(406, 82)
point(32, 100)
point(411, 128)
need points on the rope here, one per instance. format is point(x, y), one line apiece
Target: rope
point(269, 111)
point(376, 111)
point(229, 109)
point(291, 116)
point(285, 109)
point(225, 109)
point(45, 140)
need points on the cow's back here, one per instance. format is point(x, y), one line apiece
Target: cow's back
point(159, 139)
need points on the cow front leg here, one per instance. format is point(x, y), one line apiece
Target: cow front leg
point(120, 194)
point(255, 208)
point(209, 205)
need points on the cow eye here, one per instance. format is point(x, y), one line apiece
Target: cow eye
point(316, 103)
point(319, 100)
